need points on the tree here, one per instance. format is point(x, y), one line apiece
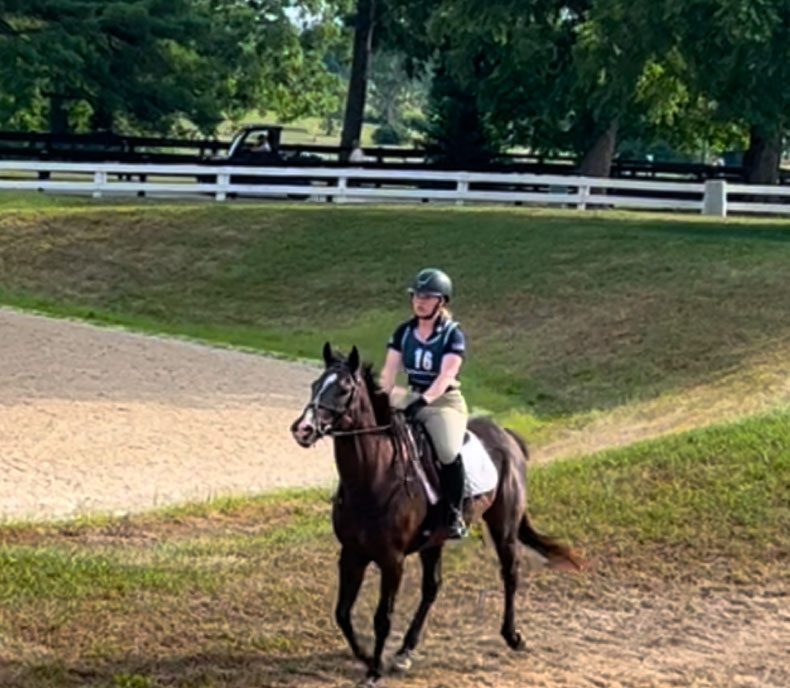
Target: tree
point(456, 132)
point(555, 75)
point(152, 64)
point(738, 58)
point(358, 81)
point(283, 64)
point(398, 25)
point(123, 58)
point(392, 92)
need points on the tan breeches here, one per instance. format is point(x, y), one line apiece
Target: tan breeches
point(445, 420)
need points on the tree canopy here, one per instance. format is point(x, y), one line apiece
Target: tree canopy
point(149, 64)
point(575, 76)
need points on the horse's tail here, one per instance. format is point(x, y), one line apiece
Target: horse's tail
point(559, 555)
point(522, 445)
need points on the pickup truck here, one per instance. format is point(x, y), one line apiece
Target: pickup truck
point(260, 146)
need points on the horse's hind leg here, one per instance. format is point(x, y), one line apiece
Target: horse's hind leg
point(431, 582)
point(506, 542)
point(352, 571)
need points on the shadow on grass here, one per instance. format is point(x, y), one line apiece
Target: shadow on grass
point(220, 670)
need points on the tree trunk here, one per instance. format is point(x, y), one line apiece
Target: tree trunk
point(358, 83)
point(58, 117)
point(102, 119)
point(392, 109)
point(597, 161)
point(761, 161)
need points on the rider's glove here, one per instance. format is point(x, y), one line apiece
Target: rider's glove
point(415, 407)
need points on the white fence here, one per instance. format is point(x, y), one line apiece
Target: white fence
point(370, 185)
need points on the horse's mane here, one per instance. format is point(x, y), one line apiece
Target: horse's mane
point(387, 416)
point(378, 397)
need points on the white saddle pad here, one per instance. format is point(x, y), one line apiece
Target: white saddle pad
point(479, 469)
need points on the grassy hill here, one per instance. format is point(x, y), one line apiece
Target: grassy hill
point(571, 317)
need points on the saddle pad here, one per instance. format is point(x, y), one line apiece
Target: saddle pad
point(479, 470)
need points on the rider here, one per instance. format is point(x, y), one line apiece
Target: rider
point(430, 346)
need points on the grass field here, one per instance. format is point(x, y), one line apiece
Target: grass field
point(573, 320)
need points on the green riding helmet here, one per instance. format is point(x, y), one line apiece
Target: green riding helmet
point(432, 281)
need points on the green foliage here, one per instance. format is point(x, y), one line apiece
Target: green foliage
point(554, 76)
point(387, 135)
point(392, 90)
point(737, 54)
point(455, 129)
point(513, 58)
point(150, 65)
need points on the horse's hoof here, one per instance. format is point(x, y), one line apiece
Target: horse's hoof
point(401, 662)
point(368, 682)
point(518, 643)
point(515, 641)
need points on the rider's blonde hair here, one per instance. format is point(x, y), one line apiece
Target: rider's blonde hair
point(446, 313)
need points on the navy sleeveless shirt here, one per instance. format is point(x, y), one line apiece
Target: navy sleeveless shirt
point(423, 360)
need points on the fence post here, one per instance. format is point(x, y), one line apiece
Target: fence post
point(99, 181)
point(715, 201)
point(584, 194)
point(223, 180)
point(342, 186)
point(462, 188)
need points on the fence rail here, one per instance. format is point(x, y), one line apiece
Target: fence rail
point(349, 184)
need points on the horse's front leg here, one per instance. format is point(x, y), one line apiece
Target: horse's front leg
point(352, 571)
point(391, 573)
point(431, 582)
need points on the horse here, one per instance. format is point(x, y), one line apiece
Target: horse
point(381, 508)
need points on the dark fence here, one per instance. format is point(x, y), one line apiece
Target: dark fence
point(120, 148)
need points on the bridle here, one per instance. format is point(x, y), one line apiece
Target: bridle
point(315, 404)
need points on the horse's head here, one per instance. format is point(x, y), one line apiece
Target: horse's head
point(332, 404)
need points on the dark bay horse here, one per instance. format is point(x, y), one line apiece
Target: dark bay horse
point(381, 507)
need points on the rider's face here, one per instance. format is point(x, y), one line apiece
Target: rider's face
point(424, 304)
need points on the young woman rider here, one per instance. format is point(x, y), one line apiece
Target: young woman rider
point(430, 347)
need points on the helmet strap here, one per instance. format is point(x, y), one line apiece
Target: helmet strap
point(435, 310)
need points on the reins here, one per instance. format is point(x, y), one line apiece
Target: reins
point(359, 431)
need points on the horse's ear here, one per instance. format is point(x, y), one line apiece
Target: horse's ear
point(329, 357)
point(353, 360)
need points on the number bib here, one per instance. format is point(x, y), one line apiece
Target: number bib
point(423, 360)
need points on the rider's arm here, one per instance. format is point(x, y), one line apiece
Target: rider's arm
point(451, 365)
point(389, 372)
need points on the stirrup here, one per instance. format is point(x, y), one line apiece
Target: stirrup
point(457, 529)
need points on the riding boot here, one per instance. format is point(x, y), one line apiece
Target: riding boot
point(451, 478)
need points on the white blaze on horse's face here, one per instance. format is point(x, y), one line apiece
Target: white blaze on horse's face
point(311, 425)
point(330, 380)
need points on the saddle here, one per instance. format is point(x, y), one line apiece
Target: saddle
point(480, 474)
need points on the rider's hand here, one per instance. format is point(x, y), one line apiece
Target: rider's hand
point(415, 407)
